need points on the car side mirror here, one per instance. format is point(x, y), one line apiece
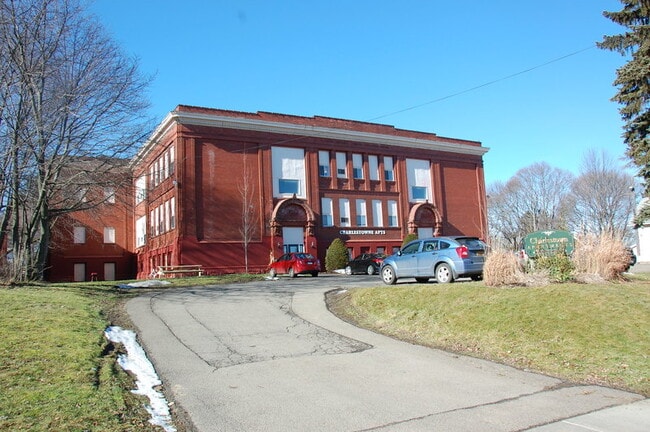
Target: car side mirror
point(399, 253)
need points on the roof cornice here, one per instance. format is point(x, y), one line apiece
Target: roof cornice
point(301, 130)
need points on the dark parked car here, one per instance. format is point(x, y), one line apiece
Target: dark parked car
point(632, 258)
point(368, 263)
point(442, 258)
point(294, 264)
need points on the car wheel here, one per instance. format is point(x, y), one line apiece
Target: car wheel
point(314, 274)
point(272, 273)
point(348, 270)
point(444, 274)
point(292, 273)
point(370, 270)
point(388, 275)
point(422, 279)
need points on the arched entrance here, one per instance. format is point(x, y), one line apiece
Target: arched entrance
point(425, 220)
point(292, 227)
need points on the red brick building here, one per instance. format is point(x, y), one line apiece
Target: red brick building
point(208, 182)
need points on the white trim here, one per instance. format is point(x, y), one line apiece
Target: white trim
point(227, 122)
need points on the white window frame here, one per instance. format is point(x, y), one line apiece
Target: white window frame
point(344, 212)
point(393, 219)
point(140, 231)
point(79, 235)
point(327, 214)
point(140, 189)
point(389, 169)
point(418, 174)
point(109, 235)
point(362, 216)
point(373, 167)
point(357, 166)
point(324, 164)
point(341, 165)
point(377, 213)
point(288, 163)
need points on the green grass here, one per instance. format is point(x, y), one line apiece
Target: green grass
point(57, 370)
point(595, 333)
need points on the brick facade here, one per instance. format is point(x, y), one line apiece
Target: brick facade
point(204, 169)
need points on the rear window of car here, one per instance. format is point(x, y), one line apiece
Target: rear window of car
point(304, 256)
point(471, 242)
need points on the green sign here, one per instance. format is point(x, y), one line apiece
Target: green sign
point(548, 243)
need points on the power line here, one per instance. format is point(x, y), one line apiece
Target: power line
point(557, 59)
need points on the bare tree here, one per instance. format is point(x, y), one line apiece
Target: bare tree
point(71, 97)
point(602, 197)
point(249, 215)
point(534, 199)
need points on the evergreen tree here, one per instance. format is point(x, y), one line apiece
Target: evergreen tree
point(336, 256)
point(633, 82)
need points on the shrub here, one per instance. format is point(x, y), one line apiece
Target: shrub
point(336, 256)
point(408, 238)
point(603, 255)
point(502, 268)
point(559, 266)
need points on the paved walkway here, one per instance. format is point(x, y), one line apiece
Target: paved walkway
point(269, 356)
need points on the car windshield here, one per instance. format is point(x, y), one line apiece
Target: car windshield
point(471, 242)
point(304, 256)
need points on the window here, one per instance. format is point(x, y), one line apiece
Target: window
point(418, 174)
point(373, 167)
point(140, 231)
point(140, 189)
point(79, 235)
point(362, 219)
point(341, 162)
point(357, 166)
point(324, 163)
point(82, 195)
point(411, 248)
point(167, 216)
point(288, 186)
point(344, 211)
point(326, 212)
point(392, 214)
point(172, 213)
point(152, 176)
point(388, 168)
point(288, 165)
point(419, 193)
point(109, 235)
point(172, 160)
point(109, 194)
point(377, 213)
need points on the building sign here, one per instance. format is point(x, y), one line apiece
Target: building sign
point(362, 232)
point(548, 243)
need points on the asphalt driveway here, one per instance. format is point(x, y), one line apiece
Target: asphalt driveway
point(268, 356)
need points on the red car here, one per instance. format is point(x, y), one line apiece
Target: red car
point(294, 264)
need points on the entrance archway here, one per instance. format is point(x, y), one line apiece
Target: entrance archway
point(425, 218)
point(292, 227)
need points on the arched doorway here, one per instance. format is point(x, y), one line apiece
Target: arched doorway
point(292, 227)
point(425, 220)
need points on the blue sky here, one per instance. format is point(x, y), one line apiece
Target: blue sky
point(491, 71)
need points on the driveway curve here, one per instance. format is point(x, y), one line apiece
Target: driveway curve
point(269, 356)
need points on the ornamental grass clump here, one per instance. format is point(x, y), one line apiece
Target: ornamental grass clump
point(501, 268)
point(604, 255)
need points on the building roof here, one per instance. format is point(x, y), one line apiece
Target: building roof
point(316, 126)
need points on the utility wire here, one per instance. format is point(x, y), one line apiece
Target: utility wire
point(483, 85)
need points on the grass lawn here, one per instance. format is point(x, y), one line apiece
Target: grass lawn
point(589, 333)
point(57, 370)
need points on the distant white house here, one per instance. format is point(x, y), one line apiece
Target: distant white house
point(642, 246)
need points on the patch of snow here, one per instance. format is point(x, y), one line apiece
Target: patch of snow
point(136, 362)
point(144, 284)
